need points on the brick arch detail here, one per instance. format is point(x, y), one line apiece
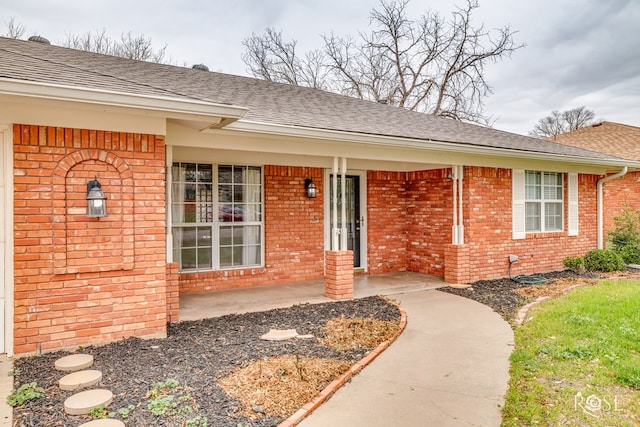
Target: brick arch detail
point(119, 255)
point(68, 162)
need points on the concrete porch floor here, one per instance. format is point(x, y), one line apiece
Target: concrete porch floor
point(219, 303)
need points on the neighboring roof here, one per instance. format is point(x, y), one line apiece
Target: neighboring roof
point(606, 137)
point(267, 102)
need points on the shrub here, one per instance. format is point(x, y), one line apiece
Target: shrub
point(603, 260)
point(627, 230)
point(630, 254)
point(573, 263)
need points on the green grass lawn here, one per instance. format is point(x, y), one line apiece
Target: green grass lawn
point(577, 360)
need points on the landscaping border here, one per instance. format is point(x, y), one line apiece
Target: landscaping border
point(334, 385)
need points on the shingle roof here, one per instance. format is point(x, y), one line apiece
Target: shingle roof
point(606, 137)
point(268, 102)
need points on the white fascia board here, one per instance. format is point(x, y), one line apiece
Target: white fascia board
point(460, 148)
point(168, 106)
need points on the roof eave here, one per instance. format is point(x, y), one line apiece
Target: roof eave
point(461, 148)
point(211, 114)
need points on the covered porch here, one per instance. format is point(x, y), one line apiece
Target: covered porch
point(203, 305)
point(375, 209)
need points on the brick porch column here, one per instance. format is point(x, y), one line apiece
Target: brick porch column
point(173, 292)
point(338, 278)
point(456, 264)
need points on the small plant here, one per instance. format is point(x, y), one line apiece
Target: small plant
point(162, 405)
point(98, 412)
point(123, 412)
point(24, 393)
point(575, 264)
point(603, 260)
point(14, 373)
point(161, 401)
point(300, 367)
point(197, 421)
point(162, 388)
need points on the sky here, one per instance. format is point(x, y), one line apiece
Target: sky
point(576, 53)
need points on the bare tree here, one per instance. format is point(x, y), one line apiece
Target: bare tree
point(271, 58)
point(129, 46)
point(14, 30)
point(430, 64)
point(560, 122)
point(578, 117)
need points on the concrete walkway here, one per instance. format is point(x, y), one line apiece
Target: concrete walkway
point(215, 304)
point(6, 385)
point(449, 368)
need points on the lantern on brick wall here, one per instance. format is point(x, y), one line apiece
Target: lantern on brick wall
point(311, 188)
point(96, 200)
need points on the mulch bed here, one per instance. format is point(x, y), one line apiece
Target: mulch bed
point(503, 295)
point(195, 354)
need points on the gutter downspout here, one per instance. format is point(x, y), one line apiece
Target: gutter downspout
point(600, 223)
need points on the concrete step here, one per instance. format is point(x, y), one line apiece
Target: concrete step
point(105, 422)
point(80, 379)
point(83, 402)
point(74, 362)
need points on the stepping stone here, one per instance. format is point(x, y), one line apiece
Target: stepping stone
point(279, 335)
point(105, 422)
point(80, 379)
point(74, 362)
point(83, 402)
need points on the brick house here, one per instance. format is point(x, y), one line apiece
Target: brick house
point(618, 140)
point(207, 179)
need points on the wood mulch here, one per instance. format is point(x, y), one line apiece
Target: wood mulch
point(198, 355)
point(506, 296)
point(210, 359)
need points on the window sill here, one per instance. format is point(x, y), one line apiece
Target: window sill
point(230, 272)
point(546, 234)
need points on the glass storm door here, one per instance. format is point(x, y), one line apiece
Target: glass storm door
point(353, 226)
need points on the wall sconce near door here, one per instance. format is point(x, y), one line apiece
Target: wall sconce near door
point(96, 200)
point(312, 190)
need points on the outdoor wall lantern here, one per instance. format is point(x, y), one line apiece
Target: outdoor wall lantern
point(96, 200)
point(312, 190)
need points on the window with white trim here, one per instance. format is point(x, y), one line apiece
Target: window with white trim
point(543, 201)
point(232, 238)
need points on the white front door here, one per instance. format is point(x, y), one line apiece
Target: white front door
point(356, 212)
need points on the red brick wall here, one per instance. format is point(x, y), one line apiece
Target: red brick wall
point(618, 194)
point(409, 228)
point(410, 220)
point(294, 236)
point(387, 225)
point(430, 216)
point(488, 227)
point(173, 292)
point(82, 280)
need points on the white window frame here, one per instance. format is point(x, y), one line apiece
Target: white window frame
point(215, 224)
point(543, 201)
